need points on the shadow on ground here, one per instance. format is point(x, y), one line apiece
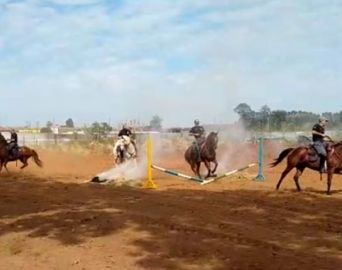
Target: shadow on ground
point(186, 229)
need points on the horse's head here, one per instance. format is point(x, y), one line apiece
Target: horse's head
point(212, 140)
point(336, 146)
point(2, 139)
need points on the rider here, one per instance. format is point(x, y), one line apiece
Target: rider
point(13, 143)
point(318, 135)
point(125, 133)
point(124, 137)
point(199, 133)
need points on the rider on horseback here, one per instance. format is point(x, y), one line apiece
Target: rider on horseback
point(13, 144)
point(318, 135)
point(125, 139)
point(199, 133)
point(125, 133)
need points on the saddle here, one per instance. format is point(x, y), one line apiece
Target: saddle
point(313, 154)
point(13, 151)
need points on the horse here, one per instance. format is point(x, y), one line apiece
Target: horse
point(24, 154)
point(207, 154)
point(123, 153)
point(4, 152)
point(306, 157)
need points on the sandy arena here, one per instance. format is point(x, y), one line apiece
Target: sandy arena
point(51, 219)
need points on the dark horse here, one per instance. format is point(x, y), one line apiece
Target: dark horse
point(24, 154)
point(306, 157)
point(207, 155)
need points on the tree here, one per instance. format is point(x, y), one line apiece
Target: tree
point(247, 115)
point(277, 119)
point(265, 113)
point(100, 129)
point(243, 109)
point(69, 123)
point(156, 122)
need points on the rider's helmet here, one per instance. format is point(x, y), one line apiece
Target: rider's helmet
point(196, 122)
point(323, 120)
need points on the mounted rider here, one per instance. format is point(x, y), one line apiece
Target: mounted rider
point(125, 134)
point(125, 138)
point(13, 146)
point(199, 133)
point(318, 136)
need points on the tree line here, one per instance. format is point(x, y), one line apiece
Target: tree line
point(266, 119)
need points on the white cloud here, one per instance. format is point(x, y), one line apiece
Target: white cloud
point(114, 59)
point(75, 2)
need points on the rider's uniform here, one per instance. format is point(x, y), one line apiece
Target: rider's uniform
point(319, 145)
point(199, 134)
point(13, 145)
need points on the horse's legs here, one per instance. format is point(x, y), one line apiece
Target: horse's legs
point(24, 161)
point(207, 165)
point(283, 175)
point(330, 176)
point(297, 175)
point(5, 165)
point(193, 167)
point(198, 167)
point(215, 167)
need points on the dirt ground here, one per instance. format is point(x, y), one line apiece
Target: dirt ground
point(51, 219)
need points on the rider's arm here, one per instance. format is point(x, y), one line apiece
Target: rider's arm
point(191, 132)
point(315, 132)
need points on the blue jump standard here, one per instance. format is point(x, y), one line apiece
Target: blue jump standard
point(261, 177)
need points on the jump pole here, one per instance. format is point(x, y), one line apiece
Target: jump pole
point(260, 177)
point(149, 182)
point(227, 174)
point(174, 173)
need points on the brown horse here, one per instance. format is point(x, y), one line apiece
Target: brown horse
point(207, 155)
point(306, 157)
point(4, 153)
point(25, 153)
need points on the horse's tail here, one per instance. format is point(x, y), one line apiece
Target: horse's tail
point(36, 159)
point(281, 157)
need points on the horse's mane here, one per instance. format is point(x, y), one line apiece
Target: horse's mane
point(210, 140)
point(211, 134)
point(2, 139)
point(337, 144)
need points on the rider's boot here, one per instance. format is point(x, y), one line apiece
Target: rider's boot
point(322, 166)
point(198, 152)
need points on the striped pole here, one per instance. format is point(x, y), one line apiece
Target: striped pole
point(227, 174)
point(174, 173)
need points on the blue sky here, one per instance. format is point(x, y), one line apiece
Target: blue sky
point(100, 59)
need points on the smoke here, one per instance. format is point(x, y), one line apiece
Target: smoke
point(131, 170)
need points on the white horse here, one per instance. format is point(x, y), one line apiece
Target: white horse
point(124, 150)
